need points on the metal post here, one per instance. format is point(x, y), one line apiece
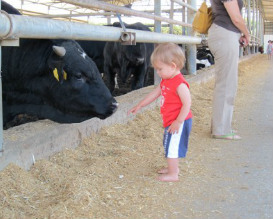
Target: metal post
point(257, 27)
point(191, 49)
point(248, 22)
point(260, 24)
point(184, 19)
point(262, 30)
point(253, 16)
point(240, 48)
point(261, 12)
point(157, 11)
point(248, 15)
point(253, 25)
point(184, 28)
point(108, 20)
point(171, 17)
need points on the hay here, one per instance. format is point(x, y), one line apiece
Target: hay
point(113, 173)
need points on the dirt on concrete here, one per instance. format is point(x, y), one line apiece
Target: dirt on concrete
point(113, 173)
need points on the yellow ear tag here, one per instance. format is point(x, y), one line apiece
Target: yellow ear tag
point(55, 73)
point(65, 75)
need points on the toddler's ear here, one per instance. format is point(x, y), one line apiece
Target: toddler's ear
point(173, 65)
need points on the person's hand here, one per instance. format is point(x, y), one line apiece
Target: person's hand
point(174, 127)
point(134, 110)
point(244, 40)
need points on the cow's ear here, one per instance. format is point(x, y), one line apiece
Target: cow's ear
point(59, 50)
point(56, 75)
point(65, 75)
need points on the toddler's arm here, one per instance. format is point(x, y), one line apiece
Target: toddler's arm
point(185, 97)
point(147, 100)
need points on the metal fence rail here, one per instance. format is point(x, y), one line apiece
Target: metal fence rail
point(126, 11)
point(12, 26)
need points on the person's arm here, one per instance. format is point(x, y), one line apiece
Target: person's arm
point(147, 100)
point(237, 19)
point(185, 97)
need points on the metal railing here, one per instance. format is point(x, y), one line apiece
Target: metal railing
point(17, 26)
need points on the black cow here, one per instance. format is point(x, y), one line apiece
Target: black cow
point(204, 58)
point(261, 49)
point(127, 60)
point(53, 79)
point(94, 49)
point(8, 8)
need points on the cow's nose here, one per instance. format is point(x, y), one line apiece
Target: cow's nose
point(114, 106)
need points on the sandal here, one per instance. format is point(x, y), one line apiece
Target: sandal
point(231, 136)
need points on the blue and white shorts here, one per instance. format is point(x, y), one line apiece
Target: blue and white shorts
point(176, 145)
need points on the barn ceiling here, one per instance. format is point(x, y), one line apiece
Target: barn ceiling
point(47, 8)
point(268, 9)
point(53, 7)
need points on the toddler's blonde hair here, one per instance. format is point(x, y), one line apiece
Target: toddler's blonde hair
point(168, 53)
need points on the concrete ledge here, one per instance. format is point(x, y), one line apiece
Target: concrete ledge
point(32, 141)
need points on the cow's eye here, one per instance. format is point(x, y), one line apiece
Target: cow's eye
point(78, 75)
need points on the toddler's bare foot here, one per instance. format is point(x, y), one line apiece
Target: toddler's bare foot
point(163, 171)
point(168, 178)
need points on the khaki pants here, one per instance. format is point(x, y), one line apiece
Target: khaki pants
point(224, 45)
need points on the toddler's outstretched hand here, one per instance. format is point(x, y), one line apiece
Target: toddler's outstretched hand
point(134, 110)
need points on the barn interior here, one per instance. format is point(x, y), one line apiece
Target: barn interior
point(169, 18)
point(38, 142)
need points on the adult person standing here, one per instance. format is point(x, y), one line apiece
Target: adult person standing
point(227, 31)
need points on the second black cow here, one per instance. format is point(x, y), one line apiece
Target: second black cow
point(127, 61)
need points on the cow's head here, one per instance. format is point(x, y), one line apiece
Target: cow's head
point(77, 87)
point(131, 58)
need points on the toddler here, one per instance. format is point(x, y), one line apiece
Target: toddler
point(168, 59)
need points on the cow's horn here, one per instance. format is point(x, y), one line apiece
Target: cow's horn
point(59, 50)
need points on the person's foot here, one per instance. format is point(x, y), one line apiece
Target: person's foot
point(163, 171)
point(168, 178)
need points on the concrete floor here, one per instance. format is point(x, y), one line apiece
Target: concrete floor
point(240, 185)
point(254, 154)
